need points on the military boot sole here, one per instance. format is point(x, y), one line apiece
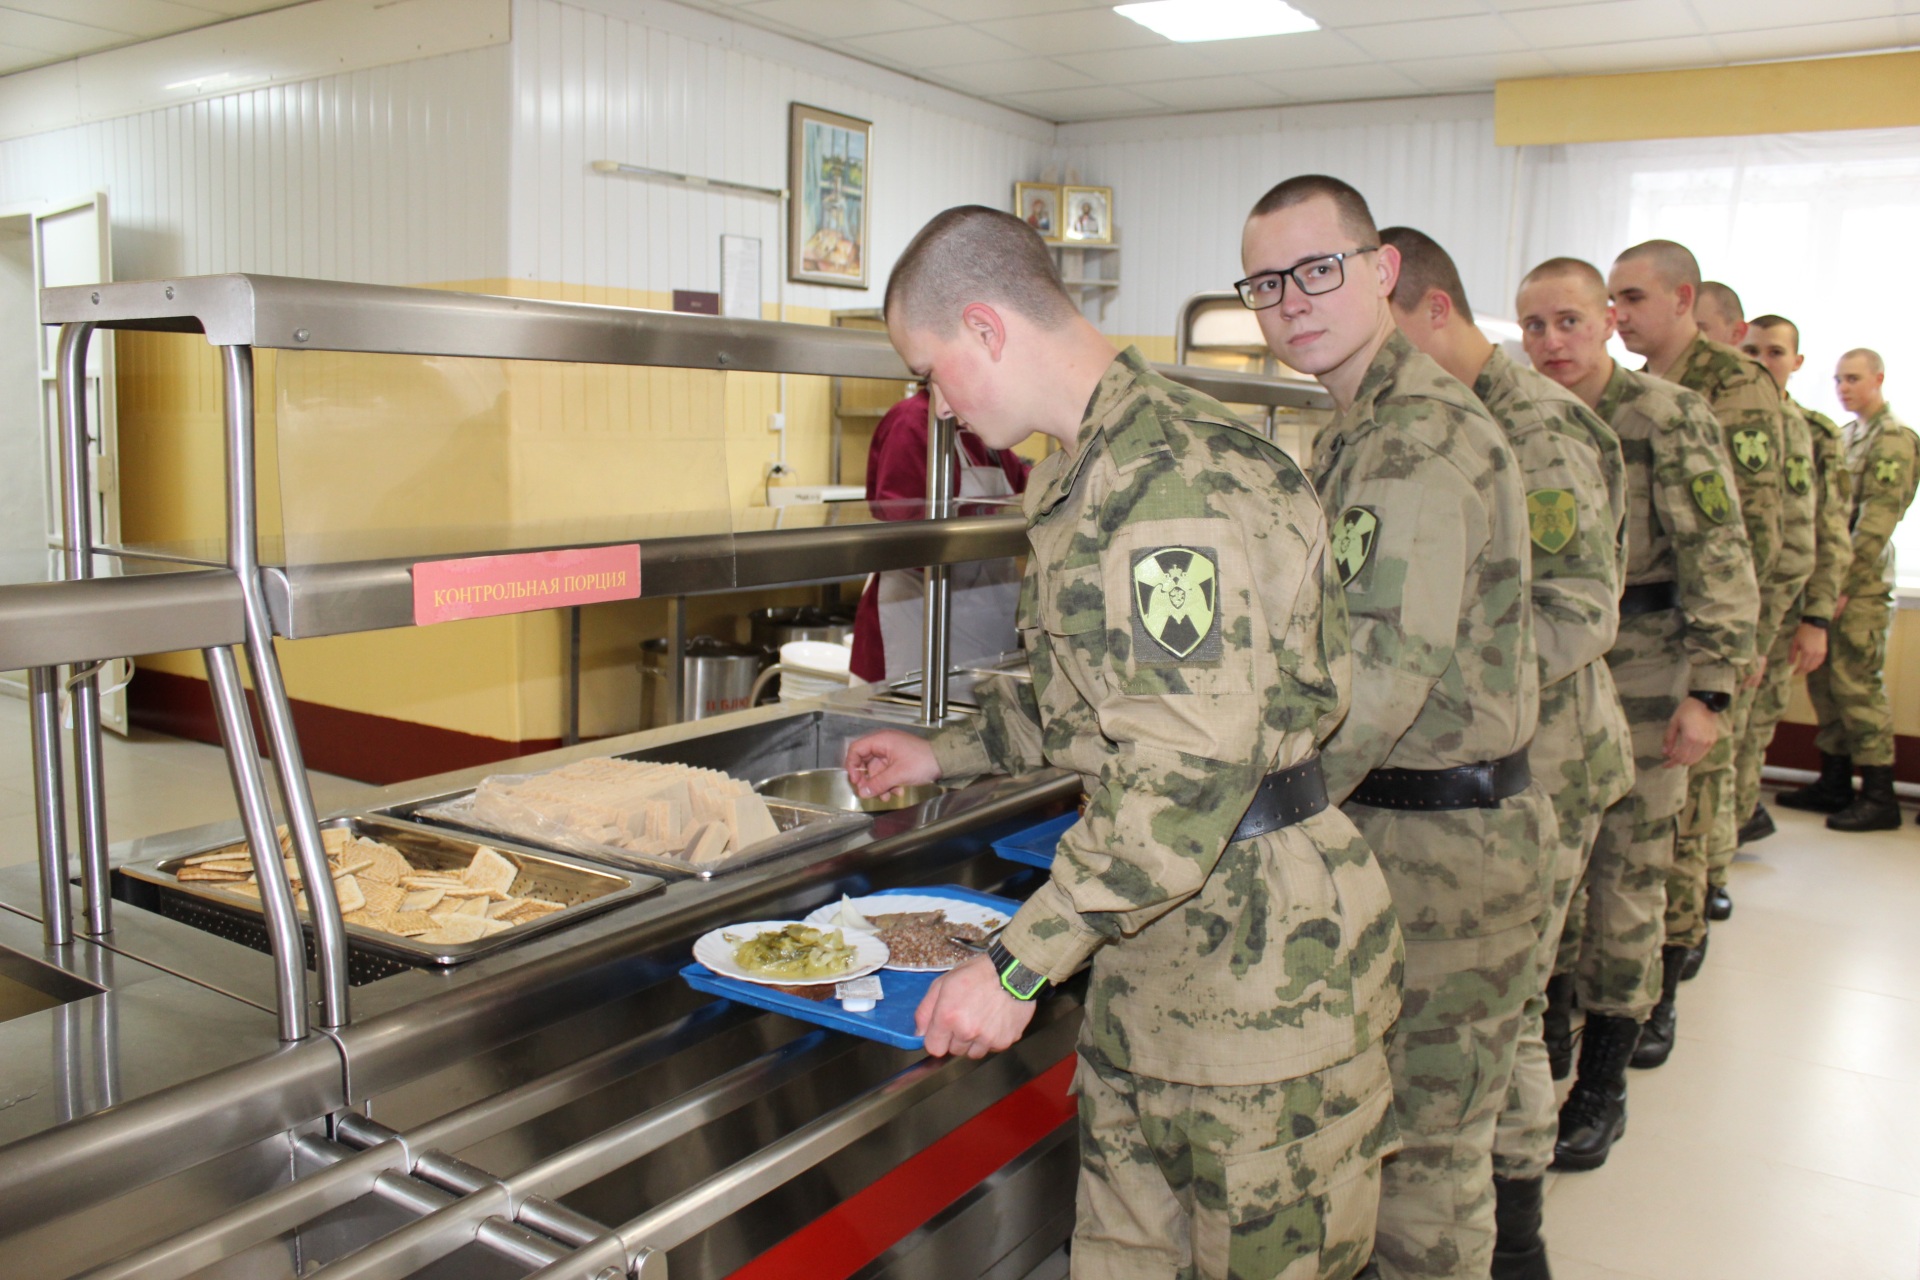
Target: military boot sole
point(1861, 818)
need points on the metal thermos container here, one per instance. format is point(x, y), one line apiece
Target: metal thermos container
point(771, 628)
point(716, 677)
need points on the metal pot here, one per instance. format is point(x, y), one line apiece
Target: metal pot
point(715, 677)
point(771, 628)
point(831, 789)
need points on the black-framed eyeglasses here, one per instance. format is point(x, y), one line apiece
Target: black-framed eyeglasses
point(1314, 277)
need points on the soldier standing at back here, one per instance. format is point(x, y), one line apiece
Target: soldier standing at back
point(1686, 629)
point(1653, 286)
point(1821, 477)
point(1188, 652)
point(1430, 536)
point(1582, 752)
point(1850, 692)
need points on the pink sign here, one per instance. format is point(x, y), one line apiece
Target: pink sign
point(487, 586)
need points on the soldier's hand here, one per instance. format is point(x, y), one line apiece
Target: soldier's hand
point(1690, 734)
point(1759, 674)
point(1809, 649)
point(880, 762)
point(1840, 605)
point(968, 1011)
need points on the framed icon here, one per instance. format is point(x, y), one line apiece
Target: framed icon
point(1038, 205)
point(828, 167)
point(1089, 215)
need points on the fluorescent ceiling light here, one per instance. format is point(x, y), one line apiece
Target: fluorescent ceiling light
point(1190, 21)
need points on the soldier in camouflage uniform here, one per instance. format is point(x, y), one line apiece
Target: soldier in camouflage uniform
point(1686, 629)
point(1430, 535)
point(1850, 693)
point(1189, 652)
point(1817, 475)
point(1653, 286)
point(1582, 751)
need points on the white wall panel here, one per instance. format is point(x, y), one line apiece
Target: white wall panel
point(605, 83)
point(392, 175)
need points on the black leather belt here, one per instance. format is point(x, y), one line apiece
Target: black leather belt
point(1649, 597)
point(1468, 786)
point(1284, 798)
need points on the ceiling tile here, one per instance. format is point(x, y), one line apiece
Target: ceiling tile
point(1586, 23)
point(1100, 103)
point(839, 19)
point(14, 58)
point(1435, 38)
point(1279, 53)
point(933, 47)
point(1340, 14)
point(1476, 72)
point(985, 10)
point(1087, 31)
point(1762, 15)
point(129, 19)
point(53, 35)
point(1800, 42)
point(1342, 84)
point(1123, 66)
point(1638, 55)
point(1021, 75)
point(1215, 93)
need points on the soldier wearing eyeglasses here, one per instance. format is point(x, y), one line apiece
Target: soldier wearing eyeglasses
point(1429, 514)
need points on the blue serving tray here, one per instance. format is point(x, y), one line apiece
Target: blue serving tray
point(890, 1022)
point(1036, 845)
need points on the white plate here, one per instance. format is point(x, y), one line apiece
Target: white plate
point(715, 950)
point(959, 911)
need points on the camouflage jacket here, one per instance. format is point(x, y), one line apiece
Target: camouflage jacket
point(1882, 454)
point(1187, 638)
point(1684, 527)
point(1747, 404)
point(1576, 484)
point(1799, 507)
point(1430, 539)
point(1832, 538)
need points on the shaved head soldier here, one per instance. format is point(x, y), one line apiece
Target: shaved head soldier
point(1654, 287)
point(1189, 651)
point(1429, 515)
point(1717, 312)
point(1819, 505)
point(1686, 629)
point(1582, 752)
point(1849, 693)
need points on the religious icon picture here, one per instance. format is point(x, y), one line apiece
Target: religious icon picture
point(1038, 205)
point(1089, 214)
point(827, 171)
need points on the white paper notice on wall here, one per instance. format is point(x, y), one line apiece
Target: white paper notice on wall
point(740, 277)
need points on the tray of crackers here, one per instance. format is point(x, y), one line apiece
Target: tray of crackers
point(425, 896)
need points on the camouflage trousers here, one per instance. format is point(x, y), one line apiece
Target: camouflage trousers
point(1849, 690)
point(1769, 704)
point(1530, 1120)
point(1229, 1182)
point(1452, 1059)
point(1706, 823)
point(1615, 922)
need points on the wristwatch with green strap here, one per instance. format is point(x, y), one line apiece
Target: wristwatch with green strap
point(1016, 979)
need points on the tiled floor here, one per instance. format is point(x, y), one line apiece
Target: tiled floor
point(1781, 1142)
point(154, 785)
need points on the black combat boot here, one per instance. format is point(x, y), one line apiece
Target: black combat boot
point(1758, 826)
point(1831, 793)
point(1518, 1251)
point(1719, 904)
point(1595, 1114)
point(1656, 1033)
point(1556, 1025)
point(1875, 808)
point(1696, 957)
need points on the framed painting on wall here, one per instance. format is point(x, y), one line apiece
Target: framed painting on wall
point(1089, 214)
point(828, 161)
point(1038, 205)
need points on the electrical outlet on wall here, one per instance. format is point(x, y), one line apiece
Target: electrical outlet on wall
point(776, 422)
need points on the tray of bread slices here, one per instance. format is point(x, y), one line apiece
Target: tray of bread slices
point(426, 896)
point(672, 820)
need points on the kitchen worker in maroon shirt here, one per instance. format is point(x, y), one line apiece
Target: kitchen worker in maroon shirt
point(888, 625)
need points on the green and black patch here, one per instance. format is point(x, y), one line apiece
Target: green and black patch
point(1553, 519)
point(1751, 449)
point(1709, 490)
point(1353, 537)
point(1886, 470)
point(1176, 606)
point(1799, 474)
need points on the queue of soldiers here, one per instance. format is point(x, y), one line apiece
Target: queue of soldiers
point(1396, 768)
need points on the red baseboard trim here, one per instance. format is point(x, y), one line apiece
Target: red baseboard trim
point(351, 744)
point(1793, 748)
point(874, 1219)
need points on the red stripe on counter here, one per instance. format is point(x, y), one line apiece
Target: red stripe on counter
point(873, 1220)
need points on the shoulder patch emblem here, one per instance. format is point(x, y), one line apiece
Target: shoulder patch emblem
point(1176, 602)
point(1353, 536)
point(1709, 490)
point(1552, 518)
point(1886, 470)
point(1751, 449)
point(1799, 474)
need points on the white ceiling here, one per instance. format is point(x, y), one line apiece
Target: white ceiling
point(1067, 60)
point(36, 32)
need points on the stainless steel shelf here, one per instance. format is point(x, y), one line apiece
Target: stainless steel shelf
point(44, 624)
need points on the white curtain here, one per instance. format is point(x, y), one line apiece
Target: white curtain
point(1818, 227)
